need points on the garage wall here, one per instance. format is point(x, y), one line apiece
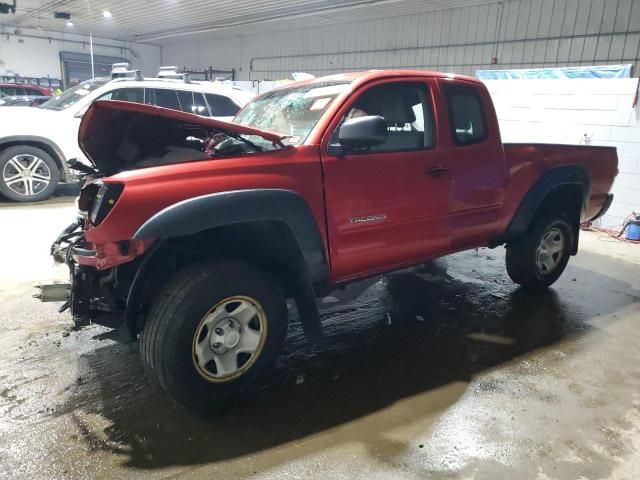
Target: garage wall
point(35, 53)
point(518, 33)
point(592, 112)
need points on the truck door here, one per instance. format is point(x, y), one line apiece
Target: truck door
point(386, 205)
point(475, 159)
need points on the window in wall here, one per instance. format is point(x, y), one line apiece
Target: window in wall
point(221, 106)
point(406, 107)
point(465, 114)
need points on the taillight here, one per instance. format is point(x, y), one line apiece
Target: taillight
point(103, 201)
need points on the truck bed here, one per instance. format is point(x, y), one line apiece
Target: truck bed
point(526, 162)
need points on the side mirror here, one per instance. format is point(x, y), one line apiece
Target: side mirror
point(82, 111)
point(363, 132)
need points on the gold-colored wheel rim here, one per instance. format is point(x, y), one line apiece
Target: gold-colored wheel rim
point(229, 339)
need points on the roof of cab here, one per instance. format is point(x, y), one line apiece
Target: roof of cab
point(365, 76)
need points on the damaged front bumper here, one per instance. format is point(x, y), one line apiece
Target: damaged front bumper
point(90, 294)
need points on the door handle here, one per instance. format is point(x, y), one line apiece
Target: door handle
point(437, 171)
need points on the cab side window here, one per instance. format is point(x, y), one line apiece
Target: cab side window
point(406, 108)
point(465, 114)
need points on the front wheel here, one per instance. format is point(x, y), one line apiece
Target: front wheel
point(27, 174)
point(213, 333)
point(538, 258)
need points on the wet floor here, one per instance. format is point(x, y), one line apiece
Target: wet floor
point(443, 371)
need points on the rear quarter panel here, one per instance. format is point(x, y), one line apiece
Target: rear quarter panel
point(527, 163)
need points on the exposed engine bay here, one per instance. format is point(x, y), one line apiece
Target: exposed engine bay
point(138, 136)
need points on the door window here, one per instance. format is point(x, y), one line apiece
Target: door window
point(29, 91)
point(8, 91)
point(465, 114)
point(166, 98)
point(125, 94)
point(406, 108)
point(199, 104)
point(186, 100)
point(221, 106)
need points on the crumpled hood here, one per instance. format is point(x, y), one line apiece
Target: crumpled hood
point(111, 131)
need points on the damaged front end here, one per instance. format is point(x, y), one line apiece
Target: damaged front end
point(61, 250)
point(100, 275)
point(88, 293)
point(108, 284)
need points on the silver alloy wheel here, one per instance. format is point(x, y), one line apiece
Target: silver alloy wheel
point(550, 251)
point(229, 339)
point(26, 174)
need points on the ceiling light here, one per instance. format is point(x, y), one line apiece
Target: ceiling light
point(69, 23)
point(106, 14)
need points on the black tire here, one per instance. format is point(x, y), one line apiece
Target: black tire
point(19, 191)
point(522, 255)
point(167, 344)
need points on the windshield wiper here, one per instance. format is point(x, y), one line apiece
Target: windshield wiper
point(238, 136)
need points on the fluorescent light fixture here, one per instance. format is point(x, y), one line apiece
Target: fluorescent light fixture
point(69, 23)
point(106, 14)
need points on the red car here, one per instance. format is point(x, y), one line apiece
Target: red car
point(193, 232)
point(21, 89)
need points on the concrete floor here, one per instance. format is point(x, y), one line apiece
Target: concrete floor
point(467, 377)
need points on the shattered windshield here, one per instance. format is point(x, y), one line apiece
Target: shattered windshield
point(291, 111)
point(71, 96)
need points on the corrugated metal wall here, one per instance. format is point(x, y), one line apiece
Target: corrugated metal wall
point(518, 33)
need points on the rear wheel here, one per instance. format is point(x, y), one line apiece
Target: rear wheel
point(538, 258)
point(213, 333)
point(27, 174)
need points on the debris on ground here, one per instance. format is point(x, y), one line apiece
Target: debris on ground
point(330, 299)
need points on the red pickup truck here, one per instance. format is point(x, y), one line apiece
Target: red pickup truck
point(193, 232)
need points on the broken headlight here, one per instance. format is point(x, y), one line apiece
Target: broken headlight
point(103, 201)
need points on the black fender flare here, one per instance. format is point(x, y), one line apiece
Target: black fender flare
point(241, 206)
point(58, 157)
point(534, 198)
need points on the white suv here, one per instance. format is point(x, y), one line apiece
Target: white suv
point(35, 143)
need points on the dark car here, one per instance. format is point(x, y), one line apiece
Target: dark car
point(23, 101)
